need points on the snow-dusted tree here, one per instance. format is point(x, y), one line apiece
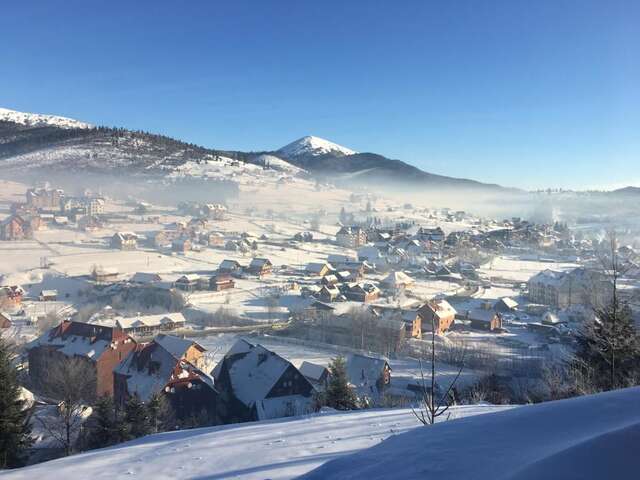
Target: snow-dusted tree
point(15, 430)
point(339, 394)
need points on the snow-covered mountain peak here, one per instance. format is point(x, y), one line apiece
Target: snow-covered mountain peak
point(40, 120)
point(313, 146)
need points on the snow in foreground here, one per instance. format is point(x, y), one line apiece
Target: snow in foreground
point(276, 449)
point(588, 437)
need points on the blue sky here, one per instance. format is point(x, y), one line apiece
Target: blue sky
point(523, 93)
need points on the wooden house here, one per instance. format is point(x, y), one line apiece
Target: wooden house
point(317, 375)
point(438, 315)
point(124, 241)
point(146, 278)
point(230, 267)
point(362, 292)
point(483, 319)
point(319, 269)
point(370, 376)
point(48, 295)
point(260, 266)
point(220, 282)
point(19, 227)
point(150, 324)
point(188, 283)
point(169, 366)
point(105, 274)
point(505, 305)
point(258, 384)
point(101, 347)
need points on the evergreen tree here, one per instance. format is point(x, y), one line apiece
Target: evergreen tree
point(136, 418)
point(107, 426)
point(15, 431)
point(339, 394)
point(161, 415)
point(609, 348)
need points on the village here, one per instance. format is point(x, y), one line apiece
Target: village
point(235, 311)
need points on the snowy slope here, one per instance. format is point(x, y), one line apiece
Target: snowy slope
point(275, 449)
point(314, 147)
point(39, 120)
point(588, 437)
point(279, 164)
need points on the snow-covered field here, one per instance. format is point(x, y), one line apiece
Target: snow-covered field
point(591, 437)
point(279, 449)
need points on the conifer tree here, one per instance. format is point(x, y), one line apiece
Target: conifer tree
point(339, 394)
point(161, 415)
point(107, 426)
point(136, 417)
point(15, 431)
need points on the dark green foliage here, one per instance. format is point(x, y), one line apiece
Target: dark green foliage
point(609, 348)
point(339, 394)
point(136, 416)
point(107, 427)
point(15, 431)
point(161, 415)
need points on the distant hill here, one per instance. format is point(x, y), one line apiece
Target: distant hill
point(47, 142)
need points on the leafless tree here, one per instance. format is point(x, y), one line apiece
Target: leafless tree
point(431, 405)
point(73, 382)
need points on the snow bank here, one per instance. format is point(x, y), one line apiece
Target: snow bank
point(588, 437)
point(275, 449)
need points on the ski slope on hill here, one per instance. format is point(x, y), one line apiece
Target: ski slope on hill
point(277, 449)
point(588, 437)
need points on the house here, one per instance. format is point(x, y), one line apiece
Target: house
point(430, 234)
point(181, 245)
point(124, 241)
point(579, 286)
point(48, 295)
point(45, 198)
point(148, 324)
point(328, 293)
point(484, 319)
point(369, 253)
point(145, 278)
point(370, 376)
point(362, 292)
point(260, 266)
point(213, 239)
point(258, 384)
point(505, 305)
point(101, 347)
point(438, 315)
point(319, 269)
point(214, 211)
point(397, 281)
point(220, 282)
point(409, 319)
point(231, 267)
point(189, 283)
point(168, 366)
point(303, 237)
point(105, 274)
point(351, 237)
point(11, 296)
point(317, 375)
point(19, 227)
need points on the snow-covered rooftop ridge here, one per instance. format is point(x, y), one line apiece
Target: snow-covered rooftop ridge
point(313, 146)
point(39, 120)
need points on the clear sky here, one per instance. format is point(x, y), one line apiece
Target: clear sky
point(530, 93)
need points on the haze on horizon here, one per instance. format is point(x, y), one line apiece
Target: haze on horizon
point(525, 95)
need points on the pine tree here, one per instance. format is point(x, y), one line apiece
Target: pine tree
point(610, 348)
point(15, 431)
point(107, 426)
point(136, 418)
point(161, 415)
point(339, 394)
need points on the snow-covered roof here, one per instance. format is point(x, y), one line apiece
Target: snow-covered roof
point(144, 277)
point(398, 279)
point(312, 370)
point(175, 345)
point(364, 372)
point(150, 320)
point(253, 371)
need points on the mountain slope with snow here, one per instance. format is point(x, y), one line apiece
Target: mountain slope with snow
point(277, 449)
point(594, 436)
point(311, 146)
point(39, 120)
